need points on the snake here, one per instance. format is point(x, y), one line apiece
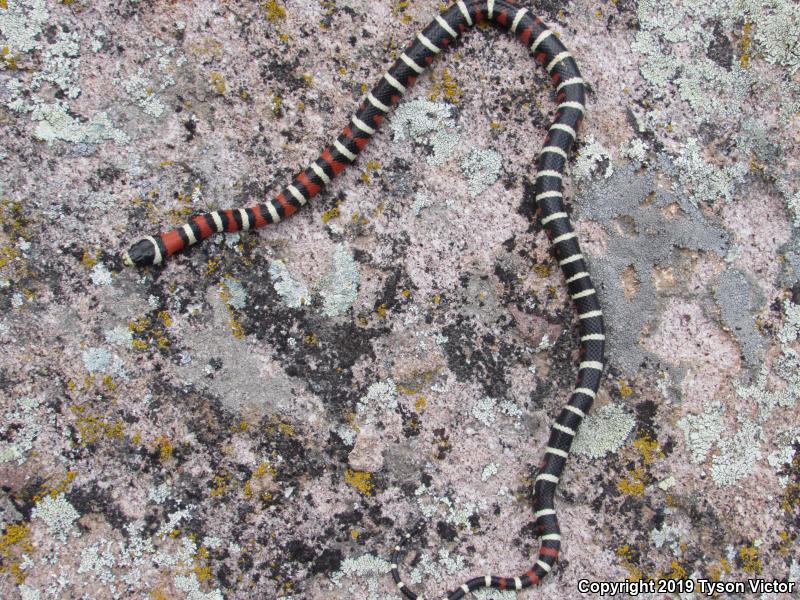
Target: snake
point(570, 89)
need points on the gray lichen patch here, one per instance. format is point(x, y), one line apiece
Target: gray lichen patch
point(739, 301)
point(604, 431)
point(652, 241)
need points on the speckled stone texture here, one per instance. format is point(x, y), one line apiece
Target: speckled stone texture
point(267, 414)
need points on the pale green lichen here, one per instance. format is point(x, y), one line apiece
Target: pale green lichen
point(604, 431)
point(702, 431)
point(777, 31)
point(635, 149)
point(422, 200)
point(20, 429)
point(593, 157)
point(58, 515)
point(141, 92)
point(457, 512)
point(488, 472)
point(61, 61)
point(339, 288)
point(55, 123)
point(365, 572)
point(101, 276)
point(428, 123)
point(429, 568)
point(120, 336)
point(484, 410)
point(236, 296)
point(482, 169)
point(381, 394)
point(738, 454)
point(21, 22)
point(294, 293)
point(785, 367)
point(705, 182)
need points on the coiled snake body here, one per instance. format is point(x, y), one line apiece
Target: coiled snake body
point(570, 94)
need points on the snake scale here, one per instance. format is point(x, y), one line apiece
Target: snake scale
point(550, 210)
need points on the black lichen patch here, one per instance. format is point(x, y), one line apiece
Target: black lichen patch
point(475, 359)
point(720, 50)
point(93, 499)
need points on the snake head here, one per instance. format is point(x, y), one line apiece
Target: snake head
point(143, 253)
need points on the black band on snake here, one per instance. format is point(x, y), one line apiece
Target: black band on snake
point(570, 95)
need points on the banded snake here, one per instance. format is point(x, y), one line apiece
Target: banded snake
point(550, 210)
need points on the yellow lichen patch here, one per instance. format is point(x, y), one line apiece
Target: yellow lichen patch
point(625, 390)
point(354, 534)
point(159, 594)
point(146, 331)
point(399, 11)
point(13, 543)
point(628, 556)
point(751, 563)
point(88, 259)
point(360, 480)
point(58, 488)
point(9, 61)
point(221, 484)
point(165, 448)
point(201, 568)
point(744, 46)
point(447, 88)
point(212, 265)
point(787, 540)
point(256, 485)
point(3, 3)
point(437, 299)
point(277, 103)
point(676, 570)
point(93, 429)
point(648, 447)
point(420, 403)
point(274, 10)
point(330, 214)
point(311, 339)
point(218, 83)
point(633, 484)
point(542, 270)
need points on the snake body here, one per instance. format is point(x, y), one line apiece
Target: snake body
point(550, 210)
